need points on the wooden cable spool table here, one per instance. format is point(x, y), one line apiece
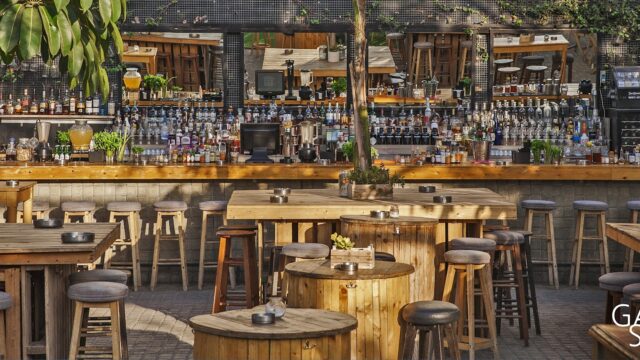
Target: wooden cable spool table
point(373, 296)
point(411, 240)
point(299, 334)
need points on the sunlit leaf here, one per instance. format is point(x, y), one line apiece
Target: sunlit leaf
point(30, 33)
point(10, 28)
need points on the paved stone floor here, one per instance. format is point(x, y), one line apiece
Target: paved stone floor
point(157, 324)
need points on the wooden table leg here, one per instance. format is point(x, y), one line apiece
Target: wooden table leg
point(563, 69)
point(260, 255)
point(12, 207)
point(27, 214)
point(58, 310)
point(153, 68)
point(13, 319)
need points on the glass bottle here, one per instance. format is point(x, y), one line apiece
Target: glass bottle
point(24, 152)
point(276, 306)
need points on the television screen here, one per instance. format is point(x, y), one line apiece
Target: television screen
point(263, 135)
point(270, 82)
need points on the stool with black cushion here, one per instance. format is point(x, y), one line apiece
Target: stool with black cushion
point(469, 243)
point(614, 284)
point(173, 211)
point(497, 64)
point(504, 280)
point(557, 64)
point(529, 280)
point(209, 209)
point(634, 208)
point(433, 323)
point(395, 41)
point(544, 208)
point(530, 60)
point(585, 208)
point(5, 303)
point(461, 265)
point(632, 294)
point(534, 74)
point(91, 295)
point(506, 74)
point(383, 256)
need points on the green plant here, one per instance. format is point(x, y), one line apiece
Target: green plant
point(79, 32)
point(155, 82)
point(339, 86)
point(341, 242)
point(176, 88)
point(62, 137)
point(466, 82)
point(348, 149)
point(137, 150)
point(375, 175)
point(107, 141)
point(536, 148)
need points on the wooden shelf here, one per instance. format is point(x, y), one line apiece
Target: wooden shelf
point(56, 119)
point(540, 96)
point(146, 103)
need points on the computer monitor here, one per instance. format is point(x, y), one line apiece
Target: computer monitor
point(263, 135)
point(270, 83)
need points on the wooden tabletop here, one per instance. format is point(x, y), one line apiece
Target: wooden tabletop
point(211, 39)
point(321, 269)
point(21, 186)
point(325, 204)
point(295, 324)
point(22, 244)
point(502, 42)
point(143, 52)
point(625, 234)
point(615, 339)
point(402, 220)
point(380, 62)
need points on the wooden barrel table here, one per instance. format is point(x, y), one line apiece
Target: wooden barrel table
point(411, 240)
point(299, 334)
point(373, 296)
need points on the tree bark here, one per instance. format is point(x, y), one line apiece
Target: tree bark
point(358, 74)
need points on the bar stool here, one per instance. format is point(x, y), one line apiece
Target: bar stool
point(632, 293)
point(634, 207)
point(530, 60)
point(81, 209)
point(477, 244)
point(383, 256)
point(435, 318)
point(129, 213)
point(209, 208)
point(498, 64)
point(248, 261)
point(165, 67)
point(614, 283)
point(395, 41)
point(97, 294)
point(466, 47)
point(508, 243)
point(545, 208)
point(40, 210)
point(464, 264)
point(535, 72)
point(175, 211)
point(293, 252)
point(506, 74)
point(5, 303)
point(445, 65)
point(557, 63)
point(421, 48)
point(529, 280)
point(599, 210)
point(190, 76)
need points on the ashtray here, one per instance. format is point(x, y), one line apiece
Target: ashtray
point(323, 162)
point(501, 163)
point(263, 318)
point(194, 36)
point(379, 214)
point(349, 267)
point(12, 183)
point(47, 224)
point(282, 191)
point(442, 199)
point(427, 189)
point(77, 237)
point(277, 199)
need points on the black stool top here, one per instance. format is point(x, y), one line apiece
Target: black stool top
point(505, 237)
point(464, 257)
point(616, 281)
point(429, 313)
point(248, 227)
point(383, 256)
point(468, 243)
point(235, 233)
point(98, 292)
point(108, 275)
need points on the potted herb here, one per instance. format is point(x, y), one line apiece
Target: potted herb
point(107, 142)
point(155, 84)
point(372, 183)
point(333, 56)
point(466, 83)
point(536, 148)
point(62, 137)
point(553, 154)
point(137, 153)
point(343, 251)
point(347, 151)
point(339, 87)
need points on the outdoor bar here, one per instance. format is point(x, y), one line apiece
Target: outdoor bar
point(323, 179)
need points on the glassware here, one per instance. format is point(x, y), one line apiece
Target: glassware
point(394, 212)
point(81, 134)
point(276, 306)
point(24, 152)
point(132, 80)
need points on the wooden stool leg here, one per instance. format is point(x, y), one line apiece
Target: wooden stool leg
point(115, 331)
point(123, 330)
point(408, 334)
point(156, 252)
point(109, 253)
point(136, 247)
point(133, 237)
point(3, 336)
point(628, 260)
point(183, 254)
point(520, 298)
point(220, 290)
point(203, 239)
point(552, 245)
point(448, 283)
point(578, 250)
point(417, 73)
point(471, 317)
point(75, 331)
point(452, 341)
point(486, 288)
point(250, 277)
point(430, 63)
point(602, 234)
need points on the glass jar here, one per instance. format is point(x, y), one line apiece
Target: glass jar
point(276, 306)
point(81, 134)
point(132, 80)
point(24, 151)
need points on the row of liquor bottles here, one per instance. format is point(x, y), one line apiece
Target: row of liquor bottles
point(67, 103)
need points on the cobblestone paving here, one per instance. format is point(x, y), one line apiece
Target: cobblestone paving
point(157, 324)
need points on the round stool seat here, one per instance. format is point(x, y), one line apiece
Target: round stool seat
point(429, 313)
point(539, 204)
point(633, 205)
point(422, 45)
point(106, 275)
point(383, 256)
point(170, 206)
point(466, 257)
point(502, 61)
point(5, 301)
point(97, 292)
point(36, 206)
point(124, 206)
point(536, 68)
point(77, 206)
point(248, 227)
point(632, 291)
point(505, 237)
point(590, 205)
point(468, 243)
point(395, 36)
point(509, 69)
point(616, 281)
point(306, 251)
point(213, 205)
point(532, 58)
point(569, 58)
point(235, 233)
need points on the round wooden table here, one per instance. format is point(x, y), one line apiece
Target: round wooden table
point(412, 240)
point(299, 334)
point(373, 296)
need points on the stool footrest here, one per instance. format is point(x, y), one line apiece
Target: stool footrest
point(169, 262)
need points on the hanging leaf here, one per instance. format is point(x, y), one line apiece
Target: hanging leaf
point(117, 39)
point(76, 58)
point(104, 7)
point(30, 33)
point(60, 4)
point(10, 28)
point(51, 30)
point(66, 35)
point(85, 5)
point(116, 10)
point(123, 6)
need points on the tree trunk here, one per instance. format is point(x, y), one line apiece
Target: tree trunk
point(358, 75)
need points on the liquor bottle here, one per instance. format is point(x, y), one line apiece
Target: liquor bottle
point(81, 108)
point(96, 104)
point(9, 107)
point(59, 105)
point(43, 106)
point(26, 101)
point(111, 105)
point(51, 104)
point(66, 103)
point(72, 104)
point(2, 106)
point(88, 105)
point(33, 106)
point(17, 108)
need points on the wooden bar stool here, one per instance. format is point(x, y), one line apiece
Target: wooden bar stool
point(632, 293)
point(129, 213)
point(383, 256)
point(614, 283)
point(418, 64)
point(545, 208)
point(557, 63)
point(634, 207)
point(507, 74)
point(530, 60)
point(174, 210)
point(445, 65)
point(293, 252)
point(190, 76)
point(477, 244)
point(164, 65)
point(529, 280)
point(5, 303)
point(209, 208)
point(40, 210)
point(497, 64)
point(534, 73)
point(248, 261)
point(78, 209)
point(462, 266)
point(91, 295)
point(599, 210)
point(508, 243)
point(466, 48)
point(432, 322)
point(395, 41)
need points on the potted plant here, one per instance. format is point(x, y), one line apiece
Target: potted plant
point(339, 87)
point(536, 149)
point(155, 84)
point(62, 137)
point(108, 142)
point(466, 83)
point(333, 56)
point(347, 151)
point(374, 183)
point(137, 153)
point(343, 251)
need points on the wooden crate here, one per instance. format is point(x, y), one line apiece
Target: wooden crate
point(365, 257)
point(526, 38)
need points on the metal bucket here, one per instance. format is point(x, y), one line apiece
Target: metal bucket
point(481, 150)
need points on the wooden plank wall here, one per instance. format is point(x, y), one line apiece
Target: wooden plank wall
point(301, 40)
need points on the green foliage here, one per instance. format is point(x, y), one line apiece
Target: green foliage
point(348, 151)
point(375, 175)
point(155, 82)
point(107, 141)
point(62, 137)
point(79, 32)
point(341, 242)
point(339, 86)
point(137, 150)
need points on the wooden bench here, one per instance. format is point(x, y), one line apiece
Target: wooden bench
point(613, 342)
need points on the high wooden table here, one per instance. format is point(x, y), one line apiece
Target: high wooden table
point(146, 55)
point(12, 195)
point(300, 334)
point(501, 45)
point(25, 251)
point(373, 296)
point(613, 342)
point(625, 234)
